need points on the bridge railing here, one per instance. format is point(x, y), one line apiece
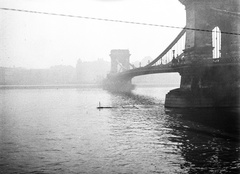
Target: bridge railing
point(173, 53)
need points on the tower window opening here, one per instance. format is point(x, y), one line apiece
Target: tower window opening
point(216, 42)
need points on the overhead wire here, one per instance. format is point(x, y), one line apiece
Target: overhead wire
point(113, 20)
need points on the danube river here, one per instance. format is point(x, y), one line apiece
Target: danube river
point(59, 130)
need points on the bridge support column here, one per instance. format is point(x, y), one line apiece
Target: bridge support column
point(207, 87)
point(119, 60)
point(209, 84)
point(119, 63)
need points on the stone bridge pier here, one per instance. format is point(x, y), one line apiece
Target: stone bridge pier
point(120, 62)
point(204, 84)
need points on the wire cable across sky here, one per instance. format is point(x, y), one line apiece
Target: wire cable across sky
point(113, 20)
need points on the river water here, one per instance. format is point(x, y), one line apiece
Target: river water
point(61, 131)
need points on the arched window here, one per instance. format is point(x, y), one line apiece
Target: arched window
point(216, 42)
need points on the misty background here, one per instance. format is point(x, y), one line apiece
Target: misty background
point(91, 72)
point(39, 49)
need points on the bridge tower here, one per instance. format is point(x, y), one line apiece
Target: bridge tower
point(211, 26)
point(119, 63)
point(120, 60)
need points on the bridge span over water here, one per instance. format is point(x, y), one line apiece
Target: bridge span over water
point(173, 68)
point(206, 53)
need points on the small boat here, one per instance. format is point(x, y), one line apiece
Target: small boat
point(111, 107)
point(104, 107)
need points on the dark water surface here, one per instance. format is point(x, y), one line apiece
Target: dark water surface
point(61, 131)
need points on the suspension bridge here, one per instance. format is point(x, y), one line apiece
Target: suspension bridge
point(206, 53)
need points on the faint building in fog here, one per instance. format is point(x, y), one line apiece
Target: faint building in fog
point(91, 72)
point(20, 76)
point(62, 74)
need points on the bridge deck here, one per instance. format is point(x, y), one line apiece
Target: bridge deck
point(176, 67)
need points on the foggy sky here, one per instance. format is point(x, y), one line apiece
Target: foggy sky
point(40, 41)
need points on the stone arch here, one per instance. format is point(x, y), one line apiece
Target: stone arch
point(226, 24)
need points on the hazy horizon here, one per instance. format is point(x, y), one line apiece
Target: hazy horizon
point(31, 40)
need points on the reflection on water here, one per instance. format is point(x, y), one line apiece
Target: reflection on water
point(61, 131)
point(210, 139)
point(199, 140)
